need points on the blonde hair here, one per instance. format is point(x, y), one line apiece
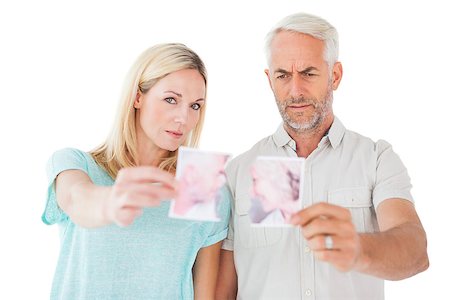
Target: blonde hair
point(120, 148)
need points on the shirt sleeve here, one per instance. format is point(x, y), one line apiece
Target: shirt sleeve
point(61, 160)
point(392, 179)
point(219, 229)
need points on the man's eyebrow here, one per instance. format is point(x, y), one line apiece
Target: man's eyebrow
point(178, 94)
point(306, 70)
point(309, 69)
point(279, 70)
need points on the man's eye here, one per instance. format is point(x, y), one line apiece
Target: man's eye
point(170, 100)
point(309, 74)
point(195, 106)
point(282, 76)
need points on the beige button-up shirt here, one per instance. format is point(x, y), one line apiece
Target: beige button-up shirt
point(346, 169)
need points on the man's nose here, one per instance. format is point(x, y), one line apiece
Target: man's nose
point(297, 86)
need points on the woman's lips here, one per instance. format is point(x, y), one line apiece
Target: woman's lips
point(175, 134)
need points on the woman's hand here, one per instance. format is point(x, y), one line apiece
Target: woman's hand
point(136, 188)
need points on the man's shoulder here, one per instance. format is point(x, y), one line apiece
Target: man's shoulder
point(357, 140)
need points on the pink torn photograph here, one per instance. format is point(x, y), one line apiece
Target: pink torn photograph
point(276, 191)
point(201, 175)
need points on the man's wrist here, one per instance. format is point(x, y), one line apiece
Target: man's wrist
point(363, 259)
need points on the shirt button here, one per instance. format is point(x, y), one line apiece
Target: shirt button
point(308, 292)
point(307, 249)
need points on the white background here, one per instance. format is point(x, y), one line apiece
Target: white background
point(62, 64)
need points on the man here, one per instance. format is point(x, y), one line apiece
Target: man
point(358, 226)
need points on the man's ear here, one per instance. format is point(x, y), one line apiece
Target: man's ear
point(268, 77)
point(337, 75)
point(138, 100)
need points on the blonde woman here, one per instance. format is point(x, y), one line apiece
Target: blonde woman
point(116, 239)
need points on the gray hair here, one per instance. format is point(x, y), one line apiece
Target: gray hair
point(310, 25)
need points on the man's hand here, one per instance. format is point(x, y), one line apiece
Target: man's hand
point(324, 219)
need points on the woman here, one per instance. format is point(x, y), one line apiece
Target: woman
point(116, 239)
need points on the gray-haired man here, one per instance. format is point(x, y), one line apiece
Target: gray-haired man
point(358, 226)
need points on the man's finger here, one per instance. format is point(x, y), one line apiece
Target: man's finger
point(317, 243)
point(323, 226)
point(322, 210)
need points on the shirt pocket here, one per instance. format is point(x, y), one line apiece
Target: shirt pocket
point(247, 236)
point(358, 201)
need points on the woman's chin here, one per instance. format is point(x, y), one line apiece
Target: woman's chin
point(170, 146)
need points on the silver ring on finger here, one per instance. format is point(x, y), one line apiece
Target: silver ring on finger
point(328, 242)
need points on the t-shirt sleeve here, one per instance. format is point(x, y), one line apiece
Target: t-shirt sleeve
point(219, 229)
point(392, 179)
point(61, 160)
point(228, 242)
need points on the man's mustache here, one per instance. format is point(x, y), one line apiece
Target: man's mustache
point(302, 101)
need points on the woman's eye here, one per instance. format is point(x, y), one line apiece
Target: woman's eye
point(195, 106)
point(170, 100)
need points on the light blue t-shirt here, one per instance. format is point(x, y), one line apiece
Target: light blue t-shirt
point(150, 259)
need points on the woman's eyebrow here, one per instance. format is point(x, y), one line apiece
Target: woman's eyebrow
point(178, 94)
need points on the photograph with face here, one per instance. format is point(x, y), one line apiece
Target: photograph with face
point(276, 190)
point(201, 175)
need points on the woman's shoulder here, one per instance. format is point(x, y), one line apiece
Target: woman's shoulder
point(73, 158)
point(70, 153)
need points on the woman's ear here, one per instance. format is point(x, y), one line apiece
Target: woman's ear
point(138, 100)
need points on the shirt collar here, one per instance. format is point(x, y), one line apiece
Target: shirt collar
point(281, 137)
point(335, 134)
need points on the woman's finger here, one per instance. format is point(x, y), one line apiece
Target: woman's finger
point(146, 174)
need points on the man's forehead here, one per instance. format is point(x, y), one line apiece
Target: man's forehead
point(297, 65)
point(297, 51)
point(289, 47)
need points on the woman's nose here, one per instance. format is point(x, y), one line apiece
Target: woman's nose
point(181, 116)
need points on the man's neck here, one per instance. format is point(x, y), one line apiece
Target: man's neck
point(306, 142)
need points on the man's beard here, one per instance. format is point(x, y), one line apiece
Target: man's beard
point(321, 111)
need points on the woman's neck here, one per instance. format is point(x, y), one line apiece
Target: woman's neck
point(149, 154)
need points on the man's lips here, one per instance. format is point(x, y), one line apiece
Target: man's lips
point(299, 106)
